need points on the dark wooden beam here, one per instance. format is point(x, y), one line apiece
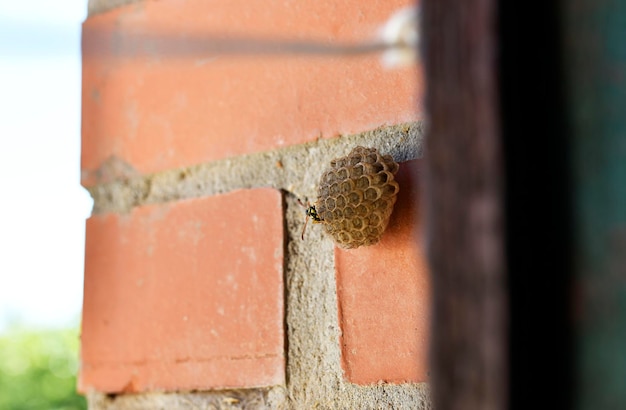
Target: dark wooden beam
point(463, 191)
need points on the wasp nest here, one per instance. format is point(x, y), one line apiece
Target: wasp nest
point(356, 197)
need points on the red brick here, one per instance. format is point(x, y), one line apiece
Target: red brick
point(170, 110)
point(384, 297)
point(186, 295)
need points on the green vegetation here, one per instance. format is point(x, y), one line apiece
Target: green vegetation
point(38, 370)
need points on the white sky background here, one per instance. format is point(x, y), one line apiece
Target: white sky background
point(42, 205)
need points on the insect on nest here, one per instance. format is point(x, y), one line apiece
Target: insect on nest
point(311, 212)
point(355, 199)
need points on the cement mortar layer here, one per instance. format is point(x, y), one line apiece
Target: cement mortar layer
point(315, 378)
point(101, 6)
point(269, 398)
point(295, 169)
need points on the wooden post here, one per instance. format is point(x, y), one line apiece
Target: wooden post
point(464, 205)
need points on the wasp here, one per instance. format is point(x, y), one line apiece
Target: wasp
point(311, 212)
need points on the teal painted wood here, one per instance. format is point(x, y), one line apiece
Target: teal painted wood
point(595, 34)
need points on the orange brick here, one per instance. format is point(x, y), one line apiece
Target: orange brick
point(175, 108)
point(186, 295)
point(383, 295)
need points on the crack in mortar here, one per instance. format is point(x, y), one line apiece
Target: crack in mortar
point(295, 169)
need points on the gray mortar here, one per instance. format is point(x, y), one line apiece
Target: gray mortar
point(314, 374)
point(295, 169)
point(101, 6)
point(248, 399)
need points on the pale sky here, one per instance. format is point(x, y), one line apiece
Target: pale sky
point(42, 205)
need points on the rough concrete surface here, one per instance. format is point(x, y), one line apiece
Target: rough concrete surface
point(272, 398)
point(314, 374)
point(295, 169)
point(100, 6)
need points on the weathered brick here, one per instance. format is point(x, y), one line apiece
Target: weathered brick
point(172, 108)
point(384, 297)
point(185, 295)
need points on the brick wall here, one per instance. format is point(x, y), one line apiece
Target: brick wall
point(199, 292)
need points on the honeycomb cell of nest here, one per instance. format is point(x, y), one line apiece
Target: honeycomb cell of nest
point(356, 197)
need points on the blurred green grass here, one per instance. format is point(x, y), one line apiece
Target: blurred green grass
point(38, 369)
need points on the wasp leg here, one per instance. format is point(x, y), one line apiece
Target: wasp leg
point(304, 228)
